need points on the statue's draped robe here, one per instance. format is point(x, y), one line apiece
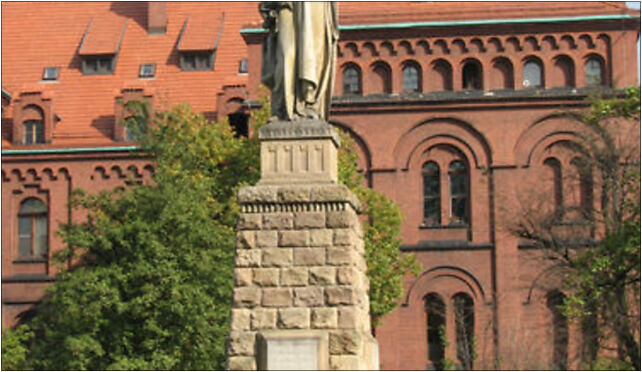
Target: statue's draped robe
point(299, 58)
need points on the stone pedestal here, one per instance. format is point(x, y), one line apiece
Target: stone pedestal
point(301, 291)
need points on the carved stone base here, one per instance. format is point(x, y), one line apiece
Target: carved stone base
point(304, 151)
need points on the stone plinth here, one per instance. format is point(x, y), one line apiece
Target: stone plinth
point(301, 153)
point(300, 280)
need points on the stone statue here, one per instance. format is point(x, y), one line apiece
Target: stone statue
point(299, 57)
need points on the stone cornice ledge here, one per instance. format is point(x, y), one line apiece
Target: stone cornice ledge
point(305, 197)
point(296, 130)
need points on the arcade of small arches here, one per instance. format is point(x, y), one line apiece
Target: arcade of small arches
point(458, 64)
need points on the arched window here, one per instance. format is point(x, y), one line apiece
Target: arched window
point(594, 72)
point(436, 326)
point(554, 300)
point(383, 80)
point(558, 198)
point(472, 76)
point(443, 75)
point(351, 80)
point(458, 174)
point(464, 329)
point(432, 194)
point(533, 74)
point(32, 229)
point(34, 132)
point(411, 78)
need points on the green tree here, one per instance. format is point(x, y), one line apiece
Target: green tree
point(154, 287)
point(603, 280)
point(382, 227)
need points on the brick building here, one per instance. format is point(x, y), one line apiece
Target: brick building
point(456, 109)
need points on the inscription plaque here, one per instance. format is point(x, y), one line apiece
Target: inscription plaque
point(298, 351)
point(294, 354)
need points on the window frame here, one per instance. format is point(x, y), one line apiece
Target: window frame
point(357, 82)
point(145, 74)
point(600, 63)
point(540, 66)
point(203, 60)
point(407, 77)
point(51, 77)
point(32, 218)
point(99, 61)
point(244, 66)
point(37, 136)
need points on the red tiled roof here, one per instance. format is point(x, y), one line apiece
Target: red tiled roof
point(40, 34)
point(36, 35)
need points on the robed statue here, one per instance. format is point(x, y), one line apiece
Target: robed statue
point(299, 57)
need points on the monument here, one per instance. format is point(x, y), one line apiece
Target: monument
point(301, 290)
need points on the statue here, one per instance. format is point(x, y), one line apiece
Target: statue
point(299, 57)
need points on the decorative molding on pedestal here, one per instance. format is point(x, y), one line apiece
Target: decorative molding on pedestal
point(304, 151)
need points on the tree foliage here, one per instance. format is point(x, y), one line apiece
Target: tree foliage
point(15, 348)
point(382, 226)
point(603, 281)
point(154, 287)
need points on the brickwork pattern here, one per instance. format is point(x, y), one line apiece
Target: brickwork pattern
point(300, 265)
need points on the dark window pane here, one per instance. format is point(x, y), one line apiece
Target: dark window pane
point(471, 76)
point(459, 209)
point(431, 186)
point(91, 65)
point(104, 65)
point(458, 184)
point(436, 314)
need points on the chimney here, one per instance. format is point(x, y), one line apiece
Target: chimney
point(156, 17)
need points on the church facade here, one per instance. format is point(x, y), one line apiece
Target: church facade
point(459, 111)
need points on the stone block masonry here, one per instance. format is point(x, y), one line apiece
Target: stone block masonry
point(300, 267)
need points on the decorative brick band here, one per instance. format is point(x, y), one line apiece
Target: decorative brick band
point(293, 207)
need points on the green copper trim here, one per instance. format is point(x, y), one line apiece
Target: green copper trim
point(69, 150)
point(476, 22)
point(7, 94)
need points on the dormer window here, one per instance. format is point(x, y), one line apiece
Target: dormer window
point(147, 70)
point(98, 65)
point(197, 60)
point(50, 73)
